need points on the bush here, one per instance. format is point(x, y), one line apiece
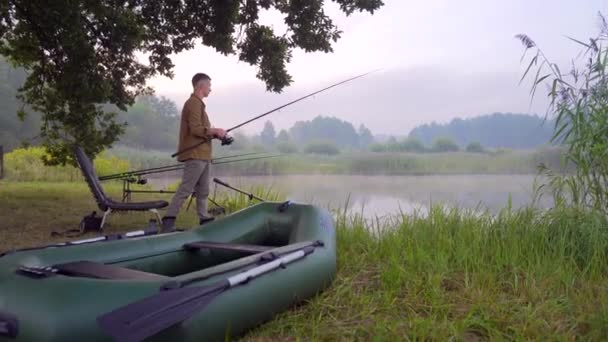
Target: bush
point(376, 147)
point(475, 147)
point(322, 147)
point(445, 145)
point(285, 147)
point(412, 145)
point(25, 164)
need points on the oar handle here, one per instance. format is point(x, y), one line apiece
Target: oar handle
point(257, 271)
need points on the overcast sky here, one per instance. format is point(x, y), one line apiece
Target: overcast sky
point(440, 59)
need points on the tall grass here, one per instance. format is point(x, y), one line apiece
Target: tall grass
point(579, 102)
point(450, 275)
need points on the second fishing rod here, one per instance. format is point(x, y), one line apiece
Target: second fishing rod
point(227, 140)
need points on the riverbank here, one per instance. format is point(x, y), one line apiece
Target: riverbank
point(519, 275)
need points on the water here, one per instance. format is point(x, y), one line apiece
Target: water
point(378, 196)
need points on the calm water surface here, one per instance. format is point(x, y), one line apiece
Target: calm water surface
point(382, 195)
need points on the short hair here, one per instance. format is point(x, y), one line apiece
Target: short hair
point(198, 77)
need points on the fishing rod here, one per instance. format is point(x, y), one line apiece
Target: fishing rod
point(219, 207)
point(142, 172)
point(244, 159)
point(250, 195)
point(127, 180)
point(228, 140)
point(238, 155)
point(167, 168)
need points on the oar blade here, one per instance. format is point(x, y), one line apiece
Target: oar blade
point(151, 315)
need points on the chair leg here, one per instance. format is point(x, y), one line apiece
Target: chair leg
point(103, 219)
point(160, 220)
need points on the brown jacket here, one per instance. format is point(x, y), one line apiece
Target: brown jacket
point(193, 129)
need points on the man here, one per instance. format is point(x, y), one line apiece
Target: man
point(194, 128)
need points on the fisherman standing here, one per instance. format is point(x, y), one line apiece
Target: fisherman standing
point(194, 128)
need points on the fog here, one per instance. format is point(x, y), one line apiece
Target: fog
point(440, 59)
point(382, 196)
point(387, 102)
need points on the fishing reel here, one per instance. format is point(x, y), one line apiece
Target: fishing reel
point(226, 140)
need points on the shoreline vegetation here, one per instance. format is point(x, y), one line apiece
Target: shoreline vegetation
point(451, 274)
point(26, 165)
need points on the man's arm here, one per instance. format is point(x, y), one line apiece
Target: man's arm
point(195, 123)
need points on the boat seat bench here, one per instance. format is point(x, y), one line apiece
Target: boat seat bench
point(236, 247)
point(102, 271)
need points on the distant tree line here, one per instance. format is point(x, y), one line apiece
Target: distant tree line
point(322, 135)
point(497, 130)
point(153, 123)
point(415, 145)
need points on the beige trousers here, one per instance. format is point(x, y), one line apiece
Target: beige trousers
point(195, 178)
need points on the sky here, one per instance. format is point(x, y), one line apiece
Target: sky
point(439, 59)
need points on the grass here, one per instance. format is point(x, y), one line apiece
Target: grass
point(449, 275)
point(30, 211)
point(452, 275)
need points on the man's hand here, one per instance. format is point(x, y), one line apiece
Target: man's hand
point(218, 132)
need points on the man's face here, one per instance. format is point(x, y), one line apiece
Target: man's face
point(204, 87)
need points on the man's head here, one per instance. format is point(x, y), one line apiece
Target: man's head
point(201, 83)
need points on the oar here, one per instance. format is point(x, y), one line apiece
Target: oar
point(151, 315)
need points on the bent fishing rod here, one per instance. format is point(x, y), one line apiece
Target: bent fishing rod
point(228, 140)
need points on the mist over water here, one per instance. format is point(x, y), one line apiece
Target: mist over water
point(379, 196)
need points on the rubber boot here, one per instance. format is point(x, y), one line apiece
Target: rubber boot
point(206, 219)
point(168, 224)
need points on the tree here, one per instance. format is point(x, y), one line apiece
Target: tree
point(412, 145)
point(474, 147)
point(268, 135)
point(283, 137)
point(521, 131)
point(161, 105)
point(287, 147)
point(152, 124)
point(81, 55)
point(444, 145)
point(365, 136)
point(341, 133)
point(14, 130)
point(322, 147)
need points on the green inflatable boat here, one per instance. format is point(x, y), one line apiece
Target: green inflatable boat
point(204, 284)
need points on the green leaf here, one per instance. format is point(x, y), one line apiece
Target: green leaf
point(532, 62)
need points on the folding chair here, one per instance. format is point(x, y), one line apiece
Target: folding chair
point(106, 204)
